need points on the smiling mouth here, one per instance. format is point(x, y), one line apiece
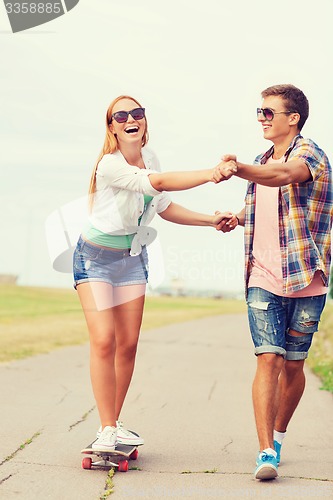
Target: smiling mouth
point(132, 130)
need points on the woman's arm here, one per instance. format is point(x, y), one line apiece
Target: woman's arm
point(181, 215)
point(117, 173)
point(177, 181)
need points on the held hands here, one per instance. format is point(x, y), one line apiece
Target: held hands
point(225, 169)
point(225, 221)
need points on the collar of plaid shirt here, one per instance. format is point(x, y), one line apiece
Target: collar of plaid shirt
point(264, 157)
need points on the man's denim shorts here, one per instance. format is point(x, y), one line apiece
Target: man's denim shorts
point(92, 262)
point(271, 317)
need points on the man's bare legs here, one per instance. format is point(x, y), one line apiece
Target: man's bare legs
point(291, 388)
point(264, 391)
point(277, 390)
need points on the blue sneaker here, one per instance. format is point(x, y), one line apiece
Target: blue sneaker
point(267, 466)
point(277, 448)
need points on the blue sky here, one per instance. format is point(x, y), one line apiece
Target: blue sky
point(198, 70)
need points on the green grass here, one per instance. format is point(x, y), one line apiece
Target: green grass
point(321, 354)
point(109, 485)
point(25, 303)
point(20, 448)
point(37, 320)
point(160, 311)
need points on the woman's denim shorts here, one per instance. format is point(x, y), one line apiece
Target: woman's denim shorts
point(117, 267)
point(271, 317)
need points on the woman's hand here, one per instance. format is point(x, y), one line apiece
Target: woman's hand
point(225, 221)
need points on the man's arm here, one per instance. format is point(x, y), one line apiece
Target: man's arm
point(241, 217)
point(272, 174)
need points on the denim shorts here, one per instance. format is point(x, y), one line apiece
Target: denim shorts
point(92, 262)
point(271, 317)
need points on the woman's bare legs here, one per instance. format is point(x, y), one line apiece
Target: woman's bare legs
point(113, 316)
point(127, 320)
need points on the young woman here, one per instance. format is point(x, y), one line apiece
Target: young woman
point(110, 260)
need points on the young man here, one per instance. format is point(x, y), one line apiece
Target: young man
point(287, 219)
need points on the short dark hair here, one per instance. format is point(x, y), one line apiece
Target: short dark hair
point(295, 100)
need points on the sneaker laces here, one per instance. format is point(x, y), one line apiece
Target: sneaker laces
point(122, 428)
point(265, 457)
point(106, 434)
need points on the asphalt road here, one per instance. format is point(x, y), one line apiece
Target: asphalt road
point(190, 399)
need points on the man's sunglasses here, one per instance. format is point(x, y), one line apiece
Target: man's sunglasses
point(268, 113)
point(122, 116)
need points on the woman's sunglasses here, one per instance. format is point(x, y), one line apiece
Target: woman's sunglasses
point(268, 113)
point(122, 116)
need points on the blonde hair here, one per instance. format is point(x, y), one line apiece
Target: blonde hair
point(111, 144)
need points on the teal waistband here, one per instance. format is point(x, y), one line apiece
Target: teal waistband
point(107, 240)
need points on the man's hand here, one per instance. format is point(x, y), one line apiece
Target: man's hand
point(224, 170)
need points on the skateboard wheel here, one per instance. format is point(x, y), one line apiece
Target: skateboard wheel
point(86, 463)
point(123, 466)
point(134, 455)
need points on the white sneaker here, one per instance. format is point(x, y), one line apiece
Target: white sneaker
point(106, 440)
point(124, 436)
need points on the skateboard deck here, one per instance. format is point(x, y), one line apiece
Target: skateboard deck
point(117, 458)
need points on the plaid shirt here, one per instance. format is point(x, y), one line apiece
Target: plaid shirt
point(305, 218)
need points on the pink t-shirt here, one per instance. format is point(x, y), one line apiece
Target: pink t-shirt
point(266, 272)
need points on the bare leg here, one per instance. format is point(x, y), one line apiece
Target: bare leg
point(94, 298)
point(264, 389)
point(128, 319)
point(114, 318)
point(291, 388)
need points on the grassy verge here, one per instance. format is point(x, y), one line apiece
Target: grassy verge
point(160, 311)
point(36, 320)
point(321, 354)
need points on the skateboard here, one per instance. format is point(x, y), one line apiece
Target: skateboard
point(117, 458)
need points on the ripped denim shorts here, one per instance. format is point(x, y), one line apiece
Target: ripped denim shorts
point(271, 317)
point(92, 262)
